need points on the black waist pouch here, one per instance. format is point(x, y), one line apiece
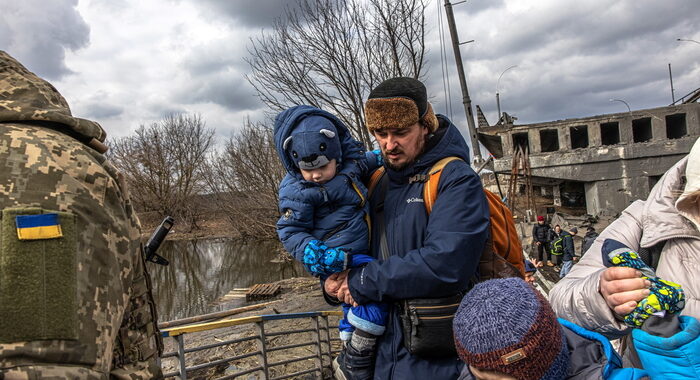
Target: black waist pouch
point(427, 325)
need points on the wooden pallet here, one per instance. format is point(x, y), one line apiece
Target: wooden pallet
point(262, 291)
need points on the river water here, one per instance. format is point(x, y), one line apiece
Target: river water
point(202, 271)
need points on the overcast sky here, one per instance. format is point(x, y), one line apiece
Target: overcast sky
point(129, 62)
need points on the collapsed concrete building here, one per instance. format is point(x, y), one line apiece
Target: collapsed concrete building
point(599, 164)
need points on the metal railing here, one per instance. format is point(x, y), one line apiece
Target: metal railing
point(320, 332)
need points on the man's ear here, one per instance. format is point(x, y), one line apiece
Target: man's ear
point(424, 130)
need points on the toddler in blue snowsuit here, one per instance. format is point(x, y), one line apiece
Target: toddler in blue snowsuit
point(323, 205)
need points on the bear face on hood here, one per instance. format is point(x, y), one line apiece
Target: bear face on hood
point(313, 143)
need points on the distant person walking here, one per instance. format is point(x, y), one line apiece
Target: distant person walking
point(540, 235)
point(567, 258)
point(588, 240)
point(556, 245)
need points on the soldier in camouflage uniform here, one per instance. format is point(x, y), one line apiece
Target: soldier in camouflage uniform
point(75, 299)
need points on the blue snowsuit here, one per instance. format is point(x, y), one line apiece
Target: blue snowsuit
point(673, 358)
point(331, 214)
point(430, 256)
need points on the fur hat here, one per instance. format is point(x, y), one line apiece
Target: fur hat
point(313, 143)
point(507, 326)
point(399, 103)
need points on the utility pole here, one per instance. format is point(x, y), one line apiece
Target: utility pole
point(463, 82)
point(670, 76)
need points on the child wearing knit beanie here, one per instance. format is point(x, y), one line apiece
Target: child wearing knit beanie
point(506, 329)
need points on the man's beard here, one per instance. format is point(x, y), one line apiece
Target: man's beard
point(404, 165)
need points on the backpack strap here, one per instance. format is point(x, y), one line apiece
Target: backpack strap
point(379, 182)
point(374, 180)
point(430, 189)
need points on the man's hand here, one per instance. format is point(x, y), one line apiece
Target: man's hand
point(333, 282)
point(622, 288)
point(538, 243)
point(336, 285)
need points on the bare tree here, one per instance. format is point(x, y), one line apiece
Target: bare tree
point(331, 53)
point(244, 180)
point(163, 164)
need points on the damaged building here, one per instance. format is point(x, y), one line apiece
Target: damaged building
point(597, 165)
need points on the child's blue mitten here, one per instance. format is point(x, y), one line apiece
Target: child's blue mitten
point(380, 158)
point(320, 260)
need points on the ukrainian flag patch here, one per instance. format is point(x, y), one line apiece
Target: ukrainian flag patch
point(38, 227)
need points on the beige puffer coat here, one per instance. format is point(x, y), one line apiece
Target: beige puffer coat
point(643, 223)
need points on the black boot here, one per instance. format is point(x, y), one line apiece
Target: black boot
point(354, 365)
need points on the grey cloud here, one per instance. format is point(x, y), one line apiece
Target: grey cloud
point(38, 32)
point(217, 57)
point(98, 111)
point(167, 111)
point(475, 6)
point(227, 89)
point(232, 93)
point(250, 13)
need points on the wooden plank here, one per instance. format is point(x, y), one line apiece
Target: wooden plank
point(220, 314)
point(262, 291)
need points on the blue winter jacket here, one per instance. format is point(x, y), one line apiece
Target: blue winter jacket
point(431, 256)
point(673, 358)
point(333, 212)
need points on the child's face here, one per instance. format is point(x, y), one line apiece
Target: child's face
point(320, 175)
point(530, 278)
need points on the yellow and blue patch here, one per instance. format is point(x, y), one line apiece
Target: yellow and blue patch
point(37, 227)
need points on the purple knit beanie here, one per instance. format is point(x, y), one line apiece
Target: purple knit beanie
point(505, 325)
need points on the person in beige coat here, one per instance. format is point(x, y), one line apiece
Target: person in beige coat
point(596, 297)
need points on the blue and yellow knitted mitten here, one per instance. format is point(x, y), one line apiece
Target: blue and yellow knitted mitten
point(665, 296)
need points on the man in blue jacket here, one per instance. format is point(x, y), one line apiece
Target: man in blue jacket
point(424, 256)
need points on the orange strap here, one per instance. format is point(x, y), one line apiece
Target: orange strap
point(430, 189)
point(374, 180)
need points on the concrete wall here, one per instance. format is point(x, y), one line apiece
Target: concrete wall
point(624, 120)
point(615, 195)
point(613, 175)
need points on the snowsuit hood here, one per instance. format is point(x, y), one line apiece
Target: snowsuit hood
point(24, 97)
point(286, 124)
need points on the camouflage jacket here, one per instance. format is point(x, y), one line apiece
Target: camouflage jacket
point(75, 299)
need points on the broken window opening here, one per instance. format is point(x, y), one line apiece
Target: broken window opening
point(641, 130)
point(579, 136)
point(573, 194)
point(549, 140)
point(610, 133)
point(520, 139)
point(676, 126)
